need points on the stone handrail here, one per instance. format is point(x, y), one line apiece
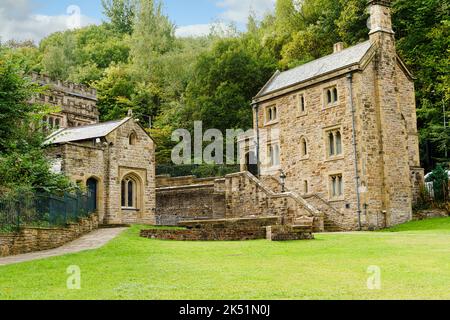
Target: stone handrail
point(271, 194)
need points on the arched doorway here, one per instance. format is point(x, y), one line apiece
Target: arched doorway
point(92, 187)
point(251, 163)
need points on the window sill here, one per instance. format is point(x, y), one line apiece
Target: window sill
point(271, 123)
point(340, 199)
point(333, 105)
point(271, 170)
point(129, 209)
point(302, 115)
point(304, 158)
point(336, 158)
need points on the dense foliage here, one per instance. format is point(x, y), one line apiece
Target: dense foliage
point(135, 61)
point(23, 165)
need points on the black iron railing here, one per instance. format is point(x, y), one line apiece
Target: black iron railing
point(43, 210)
point(200, 171)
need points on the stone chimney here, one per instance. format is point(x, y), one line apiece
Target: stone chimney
point(338, 47)
point(380, 16)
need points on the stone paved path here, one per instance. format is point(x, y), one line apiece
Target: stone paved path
point(93, 240)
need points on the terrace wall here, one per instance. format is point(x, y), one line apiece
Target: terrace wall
point(39, 239)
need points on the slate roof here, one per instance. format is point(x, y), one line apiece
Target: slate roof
point(84, 132)
point(332, 62)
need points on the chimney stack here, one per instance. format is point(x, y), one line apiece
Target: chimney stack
point(338, 47)
point(380, 16)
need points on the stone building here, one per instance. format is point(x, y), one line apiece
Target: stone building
point(343, 128)
point(113, 160)
point(75, 104)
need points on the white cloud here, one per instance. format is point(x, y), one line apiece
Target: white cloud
point(199, 30)
point(234, 11)
point(239, 10)
point(17, 22)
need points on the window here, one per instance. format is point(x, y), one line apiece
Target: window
point(271, 114)
point(305, 187)
point(302, 103)
point(274, 155)
point(334, 143)
point(331, 96)
point(132, 139)
point(57, 123)
point(336, 186)
point(303, 147)
point(129, 193)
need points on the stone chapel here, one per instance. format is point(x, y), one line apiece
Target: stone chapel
point(114, 160)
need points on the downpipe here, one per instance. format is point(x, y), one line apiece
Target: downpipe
point(355, 151)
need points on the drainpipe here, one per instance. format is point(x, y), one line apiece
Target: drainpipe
point(258, 163)
point(357, 178)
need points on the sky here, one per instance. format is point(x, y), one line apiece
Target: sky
point(36, 19)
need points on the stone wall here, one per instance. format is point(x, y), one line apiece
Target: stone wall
point(205, 235)
point(232, 230)
point(288, 233)
point(78, 103)
point(216, 230)
point(165, 181)
point(38, 239)
point(80, 162)
point(189, 202)
point(239, 195)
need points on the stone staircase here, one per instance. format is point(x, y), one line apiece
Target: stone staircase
point(332, 217)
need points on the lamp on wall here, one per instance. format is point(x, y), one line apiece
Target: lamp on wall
point(283, 181)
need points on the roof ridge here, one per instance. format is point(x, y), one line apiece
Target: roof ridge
point(315, 68)
point(327, 56)
point(99, 123)
point(84, 132)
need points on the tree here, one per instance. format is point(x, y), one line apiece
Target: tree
point(153, 36)
point(23, 164)
point(422, 31)
point(121, 14)
point(225, 81)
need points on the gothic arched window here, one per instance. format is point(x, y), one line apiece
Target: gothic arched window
point(132, 139)
point(129, 193)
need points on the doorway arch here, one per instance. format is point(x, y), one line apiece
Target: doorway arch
point(251, 163)
point(92, 187)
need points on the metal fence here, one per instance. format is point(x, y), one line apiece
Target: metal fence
point(200, 171)
point(43, 210)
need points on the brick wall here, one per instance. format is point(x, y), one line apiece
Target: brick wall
point(38, 239)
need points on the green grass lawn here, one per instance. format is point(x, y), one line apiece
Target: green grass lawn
point(414, 261)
